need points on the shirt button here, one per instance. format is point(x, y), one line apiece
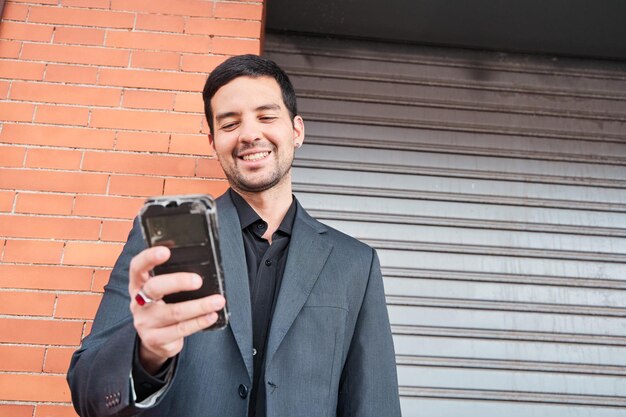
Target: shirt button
point(253, 352)
point(243, 391)
point(268, 262)
point(260, 226)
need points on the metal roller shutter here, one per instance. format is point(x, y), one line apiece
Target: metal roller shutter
point(493, 187)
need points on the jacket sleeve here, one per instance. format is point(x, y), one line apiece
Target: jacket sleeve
point(369, 382)
point(99, 373)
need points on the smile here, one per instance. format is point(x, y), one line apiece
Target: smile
point(255, 156)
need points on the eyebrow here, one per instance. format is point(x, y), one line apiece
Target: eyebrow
point(222, 116)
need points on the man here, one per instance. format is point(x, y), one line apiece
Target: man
point(309, 332)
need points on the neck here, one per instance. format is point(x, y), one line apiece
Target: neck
point(271, 205)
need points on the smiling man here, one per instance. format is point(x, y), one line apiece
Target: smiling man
point(309, 332)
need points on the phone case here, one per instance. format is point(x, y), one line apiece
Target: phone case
point(187, 225)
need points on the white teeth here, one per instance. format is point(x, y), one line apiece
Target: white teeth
point(255, 156)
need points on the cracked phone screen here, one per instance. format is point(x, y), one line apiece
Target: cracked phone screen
point(177, 230)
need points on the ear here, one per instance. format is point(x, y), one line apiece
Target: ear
point(211, 141)
point(298, 131)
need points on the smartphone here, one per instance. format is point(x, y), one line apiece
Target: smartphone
point(187, 225)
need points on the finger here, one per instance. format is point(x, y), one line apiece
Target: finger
point(143, 263)
point(161, 285)
point(164, 315)
point(161, 340)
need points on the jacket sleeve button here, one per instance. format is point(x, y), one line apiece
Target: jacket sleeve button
point(243, 391)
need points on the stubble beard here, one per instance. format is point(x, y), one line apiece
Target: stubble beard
point(238, 180)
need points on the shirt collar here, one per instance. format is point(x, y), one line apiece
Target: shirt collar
point(247, 215)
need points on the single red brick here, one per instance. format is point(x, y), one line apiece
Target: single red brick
point(20, 70)
point(138, 163)
point(248, 11)
point(209, 168)
point(191, 145)
point(91, 254)
point(4, 89)
point(17, 112)
point(195, 186)
point(75, 54)
point(79, 36)
point(201, 63)
point(62, 115)
point(13, 410)
point(57, 136)
point(155, 60)
point(90, 4)
point(26, 32)
point(142, 141)
point(6, 200)
point(222, 27)
point(71, 16)
point(132, 185)
point(71, 74)
point(49, 227)
point(107, 206)
point(12, 156)
point(14, 11)
point(66, 94)
point(21, 359)
point(46, 410)
point(180, 7)
point(41, 203)
point(10, 49)
point(40, 332)
point(236, 46)
point(160, 23)
point(32, 251)
point(28, 387)
point(189, 102)
point(55, 181)
point(155, 100)
point(158, 41)
point(26, 303)
point(145, 120)
point(45, 277)
point(101, 278)
point(58, 359)
point(37, 1)
point(116, 230)
point(77, 306)
point(53, 158)
point(152, 79)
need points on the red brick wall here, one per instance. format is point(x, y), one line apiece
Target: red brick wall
point(100, 107)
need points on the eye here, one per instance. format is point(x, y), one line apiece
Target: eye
point(267, 118)
point(229, 126)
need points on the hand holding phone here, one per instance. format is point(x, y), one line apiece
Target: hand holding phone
point(182, 306)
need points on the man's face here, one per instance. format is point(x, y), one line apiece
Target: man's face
point(253, 135)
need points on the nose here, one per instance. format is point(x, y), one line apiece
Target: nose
point(249, 131)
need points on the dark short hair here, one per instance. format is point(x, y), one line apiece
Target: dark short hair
point(247, 66)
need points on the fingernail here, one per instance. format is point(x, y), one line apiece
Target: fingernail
point(161, 253)
point(197, 281)
point(217, 302)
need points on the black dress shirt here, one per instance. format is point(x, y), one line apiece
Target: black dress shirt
point(266, 265)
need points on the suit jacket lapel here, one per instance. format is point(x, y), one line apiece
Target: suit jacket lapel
point(235, 278)
point(308, 251)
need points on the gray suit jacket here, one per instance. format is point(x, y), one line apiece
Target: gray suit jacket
point(329, 349)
